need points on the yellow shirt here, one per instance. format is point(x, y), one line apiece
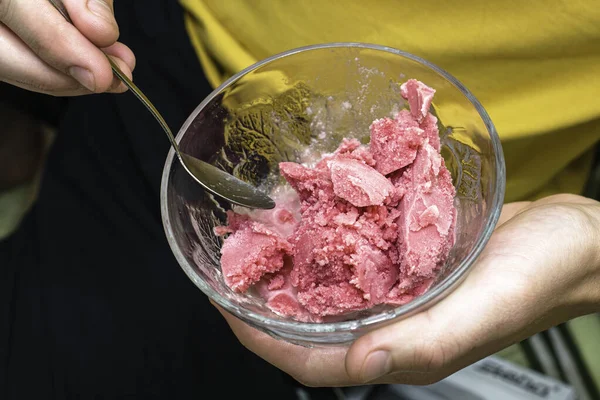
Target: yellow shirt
point(534, 65)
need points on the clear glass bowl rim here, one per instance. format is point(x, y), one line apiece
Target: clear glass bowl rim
point(414, 306)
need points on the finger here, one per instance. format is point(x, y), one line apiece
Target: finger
point(420, 349)
point(393, 349)
point(122, 52)
point(95, 20)
point(118, 86)
point(317, 367)
point(57, 42)
point(480, 317)
point(489, 311)
point(39, 76)
point(125, 59)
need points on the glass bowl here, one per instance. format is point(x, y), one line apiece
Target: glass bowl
point(313, 96)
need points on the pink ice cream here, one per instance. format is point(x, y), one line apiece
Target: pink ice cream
point(251, 252)
point(370, 224)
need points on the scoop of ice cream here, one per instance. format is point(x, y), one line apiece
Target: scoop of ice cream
point(428, 213)
point(348, 146)
point(281, 296)
point(321, 270)
point(430, 128)
point(338, 299)
point(312, 184)
point(359, 184)
point(344, 246)
point(394, 143)
point(375, 273)
point(407, 290)
point(251, 251)
point(419, 98)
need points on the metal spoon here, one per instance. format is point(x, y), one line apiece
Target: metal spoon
point(210, 177)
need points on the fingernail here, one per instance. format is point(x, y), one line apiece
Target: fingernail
point(101, 9)
point(377, 364)
point(83, 76)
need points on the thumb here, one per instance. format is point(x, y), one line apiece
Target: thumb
point(480, 317)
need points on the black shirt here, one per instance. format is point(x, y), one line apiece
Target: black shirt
point(93, 304)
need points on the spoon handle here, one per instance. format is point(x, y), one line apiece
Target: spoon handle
point(58, 4)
